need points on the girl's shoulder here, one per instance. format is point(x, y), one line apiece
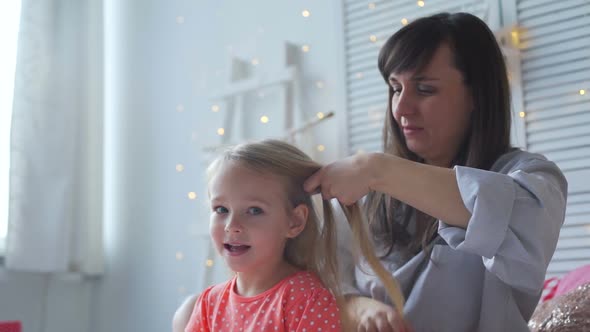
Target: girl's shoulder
point(304, 280)
point(304, 286)
point(217, 291)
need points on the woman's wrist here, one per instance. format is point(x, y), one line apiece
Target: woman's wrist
point(377, 169)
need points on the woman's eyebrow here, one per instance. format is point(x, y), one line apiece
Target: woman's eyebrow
point(420, 78)
point(423, 78)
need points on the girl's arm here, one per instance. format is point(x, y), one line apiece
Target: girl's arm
point(183, 314)
point(193, 315)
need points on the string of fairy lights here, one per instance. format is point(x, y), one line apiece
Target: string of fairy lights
point(220, 131)
point(265, 119)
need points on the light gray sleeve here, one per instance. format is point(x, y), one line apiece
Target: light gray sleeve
point(346, 264)
point(515, 220)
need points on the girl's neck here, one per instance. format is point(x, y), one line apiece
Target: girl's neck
point(256, 282)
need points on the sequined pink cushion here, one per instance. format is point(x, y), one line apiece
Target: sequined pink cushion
point(569, 312)
point(573, 279)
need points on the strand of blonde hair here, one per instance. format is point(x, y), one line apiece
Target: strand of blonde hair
point(365, 246)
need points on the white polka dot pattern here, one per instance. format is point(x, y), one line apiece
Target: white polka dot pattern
point(297, 303)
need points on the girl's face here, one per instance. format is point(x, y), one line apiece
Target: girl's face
point(432, 108)
point(251, 218)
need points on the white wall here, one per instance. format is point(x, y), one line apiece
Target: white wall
point(153, 65)
point(155, 61)
point(45, 303)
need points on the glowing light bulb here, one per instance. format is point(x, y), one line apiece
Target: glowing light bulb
point(305, 13)
point(404, 21)
point(521, 114)
point(321, 148)
point(320, 115)
point(209, 262)
point(220, 131)
point(215, 108)
point(264, 119)
point(373, 38)
point(305, 48)
point(582, 92)
point(515, 37)
point(192, 195)
point(420, 3)
point(179, 167)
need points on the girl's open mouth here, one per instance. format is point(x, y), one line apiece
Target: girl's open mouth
point(236, 249)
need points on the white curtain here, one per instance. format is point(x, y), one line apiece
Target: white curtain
point(55, 208)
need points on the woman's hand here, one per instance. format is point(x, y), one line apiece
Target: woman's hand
point(367, 315)
point(347, 180)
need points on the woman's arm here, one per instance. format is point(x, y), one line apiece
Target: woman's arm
point(511, 217)
point(430, 189)
point(516, 217)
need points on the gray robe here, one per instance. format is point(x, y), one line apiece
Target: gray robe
point(489, 276)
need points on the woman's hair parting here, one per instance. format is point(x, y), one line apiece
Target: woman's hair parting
point(314, 249)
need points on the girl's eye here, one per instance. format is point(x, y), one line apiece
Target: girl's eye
point(220, 209)
point(396, 89)
point(254, 210)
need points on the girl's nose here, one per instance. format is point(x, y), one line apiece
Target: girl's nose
point(233, 225)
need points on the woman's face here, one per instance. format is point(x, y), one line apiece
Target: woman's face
point(432, 108)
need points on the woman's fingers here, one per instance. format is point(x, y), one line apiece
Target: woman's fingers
point(384, 325)
point(378, 323)
point(312, 184)
point(395, 322)
point(369, 315)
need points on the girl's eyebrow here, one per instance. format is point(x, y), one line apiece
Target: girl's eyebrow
point(248, 199)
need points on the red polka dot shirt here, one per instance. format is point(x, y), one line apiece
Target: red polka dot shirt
point(297, 303)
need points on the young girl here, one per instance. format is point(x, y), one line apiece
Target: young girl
point(284, 257)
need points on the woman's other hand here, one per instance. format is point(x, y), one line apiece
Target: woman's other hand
point(368, 315)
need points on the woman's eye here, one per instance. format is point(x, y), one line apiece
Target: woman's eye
point(425, 89)
point(254, 210)
point(220, 209)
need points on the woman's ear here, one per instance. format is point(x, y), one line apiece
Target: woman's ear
point(298, 220)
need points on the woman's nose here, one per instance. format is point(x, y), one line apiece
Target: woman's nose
point(404, 103)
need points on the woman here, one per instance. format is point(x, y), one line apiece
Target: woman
point(466, 223)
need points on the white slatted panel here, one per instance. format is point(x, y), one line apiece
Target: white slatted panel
point(555, 45)
point(366, 90)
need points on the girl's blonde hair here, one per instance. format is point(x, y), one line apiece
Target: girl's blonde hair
point(314, 249)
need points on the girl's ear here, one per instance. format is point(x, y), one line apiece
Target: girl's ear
point(298, 220)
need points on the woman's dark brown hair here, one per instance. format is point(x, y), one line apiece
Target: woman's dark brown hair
point(477, 56)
